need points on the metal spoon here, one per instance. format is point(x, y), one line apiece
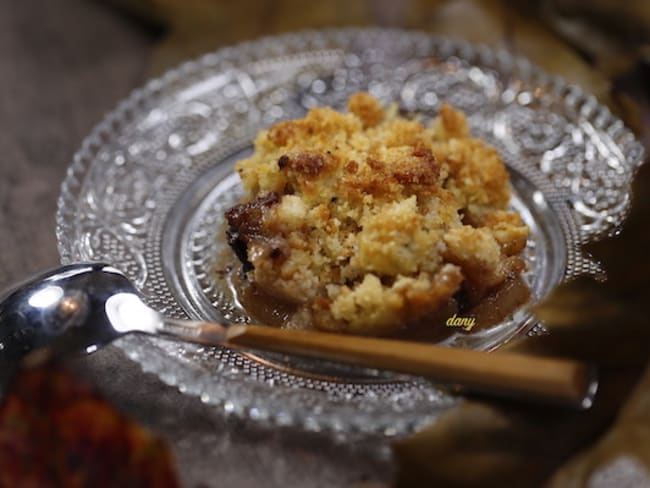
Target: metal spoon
point(83, 307)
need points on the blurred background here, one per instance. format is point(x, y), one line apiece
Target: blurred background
point(65, 63)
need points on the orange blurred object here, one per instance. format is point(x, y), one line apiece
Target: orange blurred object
point(55, 430)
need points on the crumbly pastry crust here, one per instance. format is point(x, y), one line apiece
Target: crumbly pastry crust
point(367, 221)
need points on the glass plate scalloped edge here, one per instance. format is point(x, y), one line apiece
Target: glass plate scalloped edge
point(583, 173)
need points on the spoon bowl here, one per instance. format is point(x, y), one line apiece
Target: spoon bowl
point(66, 303)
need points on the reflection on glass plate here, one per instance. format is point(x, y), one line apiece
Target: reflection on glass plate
point(147, 191)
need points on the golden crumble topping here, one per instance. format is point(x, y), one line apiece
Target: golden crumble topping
point(366, 221)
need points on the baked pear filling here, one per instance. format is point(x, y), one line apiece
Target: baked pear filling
point(367, 222)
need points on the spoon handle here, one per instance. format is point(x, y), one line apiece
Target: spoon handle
point(550, 380)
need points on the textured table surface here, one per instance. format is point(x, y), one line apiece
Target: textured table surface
point(64, 64)
point(67, 62)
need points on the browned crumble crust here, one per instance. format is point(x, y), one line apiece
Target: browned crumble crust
point(367, 221)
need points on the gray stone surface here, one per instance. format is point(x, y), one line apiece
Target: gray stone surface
point(64, 63)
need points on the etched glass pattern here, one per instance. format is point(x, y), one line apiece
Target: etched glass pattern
point(147, 190)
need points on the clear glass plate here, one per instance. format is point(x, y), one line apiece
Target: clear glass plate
point(148, 188)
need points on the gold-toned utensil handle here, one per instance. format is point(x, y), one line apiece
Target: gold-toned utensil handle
point(559, 381)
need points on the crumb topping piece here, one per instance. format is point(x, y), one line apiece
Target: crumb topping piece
point(367, 221)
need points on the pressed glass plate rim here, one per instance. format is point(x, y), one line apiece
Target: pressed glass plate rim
point(126, 110)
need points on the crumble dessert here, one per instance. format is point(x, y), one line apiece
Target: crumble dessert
point(366, 222)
